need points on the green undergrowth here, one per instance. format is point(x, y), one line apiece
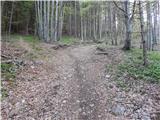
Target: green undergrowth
point(67, 40)
point(27, 38)
point(133, 66)
point(32, 40)
point(7, 70)
point(8, 74)
point(4, 93)
point(102, 46)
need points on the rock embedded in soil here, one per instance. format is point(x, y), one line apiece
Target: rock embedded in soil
point(118, 110)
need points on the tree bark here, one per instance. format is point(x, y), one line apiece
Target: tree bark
point(127, 45)
point(149, 26)
point(10, 20)
point(56, 20)
point(142, 34)
point(52, 22)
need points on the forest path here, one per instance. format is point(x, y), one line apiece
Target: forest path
point(64, 84)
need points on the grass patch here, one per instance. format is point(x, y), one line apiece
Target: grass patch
point(4, 93)
point(27, 38)
point(8, 72)
point(30, 39)
point(133, 66)
point(68, 40)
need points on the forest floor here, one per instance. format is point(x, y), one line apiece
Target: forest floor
point(72, 83)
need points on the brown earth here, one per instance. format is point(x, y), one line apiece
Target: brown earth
point(71, 84)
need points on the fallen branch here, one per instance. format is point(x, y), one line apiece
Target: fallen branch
point(101, 49)
point(7, 61)
point(56, 47)
point(102, 53)
point(4, 56)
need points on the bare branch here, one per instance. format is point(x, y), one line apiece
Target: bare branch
point(124, 12)
point(133, 10)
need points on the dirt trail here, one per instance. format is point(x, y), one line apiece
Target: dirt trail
point(68, 84)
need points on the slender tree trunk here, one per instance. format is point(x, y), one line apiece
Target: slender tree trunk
point(100, 21)
point(155, 25)
point(44, 17)
point(52, 22)
point(82, 28)
point(56, 20)
point(142, 34)
point(70, 20)
point(94, 24)
point(27, 25)
point(10, 20)
point(149, 26)
point(61, 24)
point(48, 21)
point(75, 32)
point(60, 20)
point(41, 20)
point(85, 27)
point(110, 21)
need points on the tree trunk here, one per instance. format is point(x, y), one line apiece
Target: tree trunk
point(56, 20)
point(75, 32)
point(142, 34)
point(81, 22)
point(10, 20)
point(149, 26)
point(52, 22)
point(60, 20)
point(70, 21)
point(127, 45)
point(48, 21)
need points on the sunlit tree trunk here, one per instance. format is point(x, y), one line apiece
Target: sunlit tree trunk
point(149, 26)
point(48, 21)
point(56, 21)
point(52, 22)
